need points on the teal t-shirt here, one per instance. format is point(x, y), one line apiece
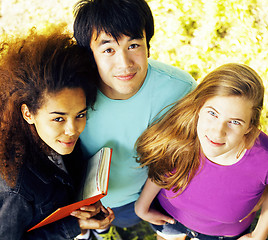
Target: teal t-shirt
point(118, 124)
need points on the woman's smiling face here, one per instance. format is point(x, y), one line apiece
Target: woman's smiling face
point(60, 120)
point(222, 125)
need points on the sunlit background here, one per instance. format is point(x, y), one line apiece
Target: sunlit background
point(195, 35)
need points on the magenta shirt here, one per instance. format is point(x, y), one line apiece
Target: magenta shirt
point(219, 196)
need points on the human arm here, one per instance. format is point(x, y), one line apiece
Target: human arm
point(261, 230)
point(143, 205)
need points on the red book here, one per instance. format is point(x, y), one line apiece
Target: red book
point(95, 186)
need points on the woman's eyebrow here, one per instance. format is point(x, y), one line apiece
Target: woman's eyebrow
point(60, 113)
point(212, 108)
point(85, 109)
point(63, 113)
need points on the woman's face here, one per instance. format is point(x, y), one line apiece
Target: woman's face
point(222, 125)
point(60, 120)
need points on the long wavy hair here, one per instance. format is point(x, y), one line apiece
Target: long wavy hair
point(30, 68)
point(170, 146)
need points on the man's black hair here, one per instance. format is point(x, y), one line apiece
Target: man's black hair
point(114, 17)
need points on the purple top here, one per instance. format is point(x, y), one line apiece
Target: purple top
point(219, 196)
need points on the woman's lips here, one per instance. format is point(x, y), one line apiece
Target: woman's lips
point(214, 143)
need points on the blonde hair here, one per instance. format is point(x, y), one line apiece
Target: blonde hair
point(170, 146)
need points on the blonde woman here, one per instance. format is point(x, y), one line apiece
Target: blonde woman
point(208, 161)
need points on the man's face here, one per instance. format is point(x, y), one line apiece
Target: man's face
point(122, 64)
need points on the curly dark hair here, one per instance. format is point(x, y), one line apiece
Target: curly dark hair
point(31, 67)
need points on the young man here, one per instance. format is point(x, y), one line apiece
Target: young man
point(132, 91)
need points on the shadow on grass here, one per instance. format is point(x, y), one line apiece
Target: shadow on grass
point(143, 231)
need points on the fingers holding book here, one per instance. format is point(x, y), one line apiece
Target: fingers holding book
point(94, 216)
point(87, 212)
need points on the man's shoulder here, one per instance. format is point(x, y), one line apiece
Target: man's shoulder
point(166, 84)
point(166, 79)
point(164, 71)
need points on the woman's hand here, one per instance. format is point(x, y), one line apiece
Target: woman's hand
point(246, 237)
point(86, 212)
point(155, 217)
point(98, 223)
point(250, 236)
point(143, 205)
point(261, 230)
point(94, 216)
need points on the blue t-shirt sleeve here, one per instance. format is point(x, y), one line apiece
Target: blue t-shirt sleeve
point(172, 85)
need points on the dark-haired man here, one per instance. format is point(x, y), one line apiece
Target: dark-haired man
point(132, 91)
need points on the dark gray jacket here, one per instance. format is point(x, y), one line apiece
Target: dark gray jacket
point(40, 190)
